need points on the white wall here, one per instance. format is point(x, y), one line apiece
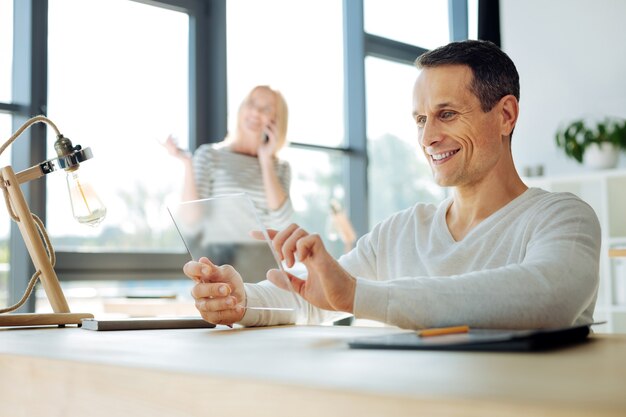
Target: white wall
point(571, 57)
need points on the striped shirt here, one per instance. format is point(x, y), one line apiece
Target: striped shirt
point(219, 171)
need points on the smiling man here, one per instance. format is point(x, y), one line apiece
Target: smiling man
point(495, 254)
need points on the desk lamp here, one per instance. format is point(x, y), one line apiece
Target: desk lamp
point(86, 207)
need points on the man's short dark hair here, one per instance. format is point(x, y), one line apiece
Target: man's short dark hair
point(495, 75)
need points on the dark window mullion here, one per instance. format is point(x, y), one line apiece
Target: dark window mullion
point(30, 95)
point(391, 50)
point(18, 109)
point(207, 74)
point(355, 117)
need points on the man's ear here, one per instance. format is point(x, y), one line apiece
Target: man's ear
point(509, 111)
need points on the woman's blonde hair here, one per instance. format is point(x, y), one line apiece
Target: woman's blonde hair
point(282, 114)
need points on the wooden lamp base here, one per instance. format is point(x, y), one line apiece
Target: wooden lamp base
point(34, 319)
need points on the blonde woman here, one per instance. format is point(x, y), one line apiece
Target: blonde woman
point(245, 161)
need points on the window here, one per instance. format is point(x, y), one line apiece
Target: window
point(120, 92)
point(415, 22)
point(119, 81)
point(472, 19)
point(295, 55)
point(6, 62)
point(319, 179)
point(305, 63)
point(6, 49)
point(399, 175)
point(5, 220)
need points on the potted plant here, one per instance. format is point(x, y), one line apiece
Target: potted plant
point(597, 145)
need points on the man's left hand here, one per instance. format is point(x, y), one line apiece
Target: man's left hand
point(328, 285)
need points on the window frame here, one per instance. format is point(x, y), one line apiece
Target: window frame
point(208, 121)
point(207, 108)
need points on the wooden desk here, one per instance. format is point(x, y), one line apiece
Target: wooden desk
point(295, 371)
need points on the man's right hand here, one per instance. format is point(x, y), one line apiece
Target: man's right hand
point(219, 291)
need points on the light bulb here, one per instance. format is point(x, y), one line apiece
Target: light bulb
point(86, 205)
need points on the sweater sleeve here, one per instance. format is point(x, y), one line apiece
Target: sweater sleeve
point(296, 310)
point(552, 286)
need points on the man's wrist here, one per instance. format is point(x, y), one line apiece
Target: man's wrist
point(350, 291)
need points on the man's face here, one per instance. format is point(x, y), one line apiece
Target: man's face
point(462, 143)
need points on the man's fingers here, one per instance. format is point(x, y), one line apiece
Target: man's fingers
point(202, 267)
point(278, 278)
point(209, 305)
point(228, 316)
point(298, 285)
point(306, 246)
point(199, 270)
point(223, 310)
point(284, 241)
point(210, 289)
point(207, 261)
point(279, 238)
point(289, 247)
point(206, 271)
point(286, 281)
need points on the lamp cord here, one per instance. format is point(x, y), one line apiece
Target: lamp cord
point(29, 122)
point(35, 277)
point(38, 222)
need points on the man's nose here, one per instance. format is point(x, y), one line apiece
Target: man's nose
point(429, 134)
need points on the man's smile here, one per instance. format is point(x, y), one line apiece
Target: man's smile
point(442, 157)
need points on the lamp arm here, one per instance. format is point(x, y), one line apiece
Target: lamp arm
point(37, 242)
point(48, 246)
point(67, 162)
point(30, 174)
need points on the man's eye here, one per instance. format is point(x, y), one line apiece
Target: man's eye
point(447, 114)
point(420, 120)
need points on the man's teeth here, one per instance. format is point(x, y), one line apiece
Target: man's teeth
point(440, 156)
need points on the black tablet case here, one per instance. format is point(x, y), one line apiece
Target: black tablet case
point(479, 340)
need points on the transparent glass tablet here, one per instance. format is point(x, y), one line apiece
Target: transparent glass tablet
point(221, 229)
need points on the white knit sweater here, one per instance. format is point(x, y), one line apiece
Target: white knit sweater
point(532, 264)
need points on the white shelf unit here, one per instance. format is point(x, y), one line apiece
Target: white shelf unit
point(605, 191)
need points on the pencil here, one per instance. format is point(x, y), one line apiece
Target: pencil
point(443, 330)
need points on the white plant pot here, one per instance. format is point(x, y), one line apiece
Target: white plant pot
point(603, 156)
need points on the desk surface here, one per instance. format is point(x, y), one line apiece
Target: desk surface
point(295, 371)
